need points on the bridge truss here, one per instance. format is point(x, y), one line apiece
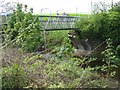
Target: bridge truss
point(50, 23)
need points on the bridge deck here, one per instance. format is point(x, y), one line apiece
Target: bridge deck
point(60, 29)
point(60, 16)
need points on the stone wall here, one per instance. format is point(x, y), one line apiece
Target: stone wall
point(86, 47)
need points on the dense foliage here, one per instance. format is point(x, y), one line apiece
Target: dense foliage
point(57, 68)
point(24, 29)
point(37, 72)
point(103, 26)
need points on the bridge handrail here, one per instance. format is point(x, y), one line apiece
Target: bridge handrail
point(45, 9)
point(59, 16)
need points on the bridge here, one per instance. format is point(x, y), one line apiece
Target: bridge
point(58, 22)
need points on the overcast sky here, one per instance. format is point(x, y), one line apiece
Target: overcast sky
point(70, 6)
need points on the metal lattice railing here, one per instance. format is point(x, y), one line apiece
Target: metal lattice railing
point(58, 22)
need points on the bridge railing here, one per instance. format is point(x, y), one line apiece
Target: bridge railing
point(58, 22)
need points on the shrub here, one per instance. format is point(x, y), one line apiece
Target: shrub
point(101, 26)
point(13, 77)
point(37, 72)
point(57, 73)
point(110, 54)
point(24, 29)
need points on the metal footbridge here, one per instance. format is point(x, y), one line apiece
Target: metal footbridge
point(50, 23)
point(60, 21)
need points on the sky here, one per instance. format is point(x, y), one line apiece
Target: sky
point(70, 6)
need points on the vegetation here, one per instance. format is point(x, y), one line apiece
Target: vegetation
point(57, 68)
point(38, 73)
point(116, 7)
point(23, 28)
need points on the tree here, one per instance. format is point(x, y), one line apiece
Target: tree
point(116, 7)
point(100, 7)
point(7, 7)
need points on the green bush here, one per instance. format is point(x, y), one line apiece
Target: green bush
point(101, 26)
point(111, 57)
point(13, 77)
point(94, 26)
point(24, 28)
point(57, 73)
point(37, 72)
